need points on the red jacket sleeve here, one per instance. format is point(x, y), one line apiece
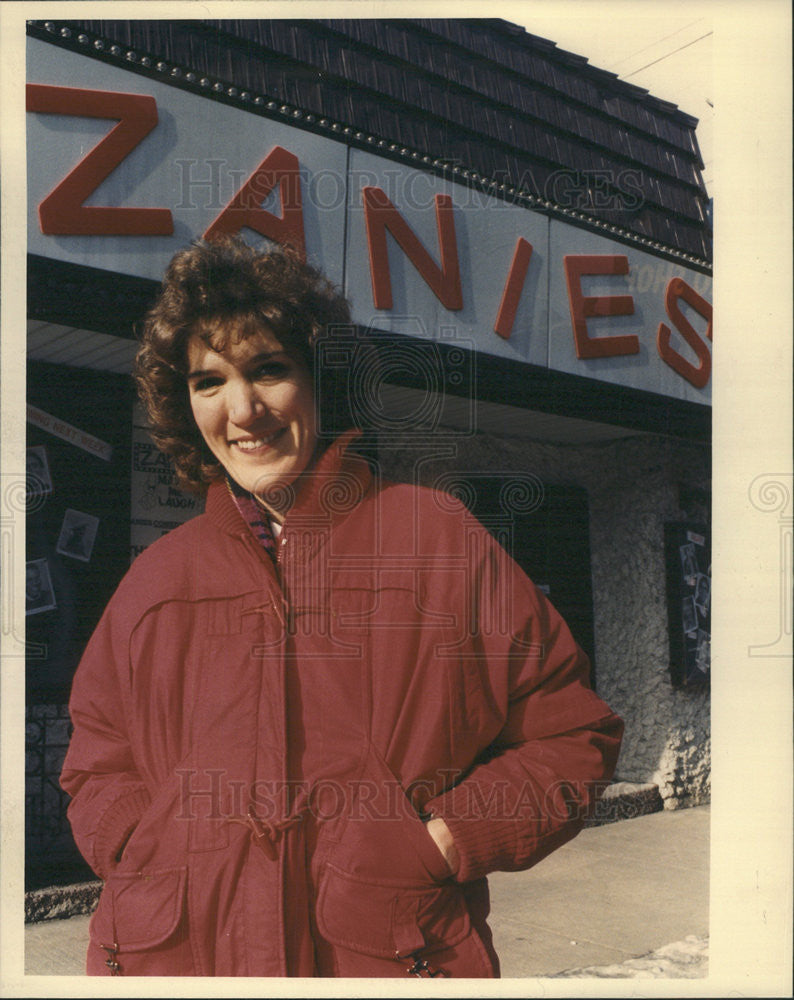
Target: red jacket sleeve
point(108, 795)
point(530, 791)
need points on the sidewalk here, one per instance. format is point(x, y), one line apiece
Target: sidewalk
point(614, 895)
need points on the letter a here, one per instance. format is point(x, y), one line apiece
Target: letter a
point(280, 167)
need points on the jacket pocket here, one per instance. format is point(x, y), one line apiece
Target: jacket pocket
point(139, 912)
point(383, 840)
point(387, 921)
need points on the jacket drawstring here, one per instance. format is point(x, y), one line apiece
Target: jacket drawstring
point(264, 833)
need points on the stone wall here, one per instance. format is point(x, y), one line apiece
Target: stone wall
point(634, 486)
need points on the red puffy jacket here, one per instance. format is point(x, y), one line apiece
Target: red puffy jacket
point(255, 747)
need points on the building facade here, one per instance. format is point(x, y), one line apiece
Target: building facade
point(525, 241)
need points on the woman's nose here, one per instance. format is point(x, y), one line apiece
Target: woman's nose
point(245, 404)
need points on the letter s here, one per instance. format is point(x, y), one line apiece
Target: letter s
point(677, 289)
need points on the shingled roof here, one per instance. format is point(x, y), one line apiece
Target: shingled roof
point(482, 101)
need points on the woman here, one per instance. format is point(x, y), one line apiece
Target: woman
point(314, 718)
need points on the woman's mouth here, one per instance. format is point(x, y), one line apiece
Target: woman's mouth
point(255, 444)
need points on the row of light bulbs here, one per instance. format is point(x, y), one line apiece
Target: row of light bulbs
point(296, 114)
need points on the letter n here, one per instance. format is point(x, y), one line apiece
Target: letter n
point(280, 167)
point(380, 215)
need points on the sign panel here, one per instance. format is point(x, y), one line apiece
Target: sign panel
point(484, 233)
point(194, 161)
point(619, 341)
point(124, 170)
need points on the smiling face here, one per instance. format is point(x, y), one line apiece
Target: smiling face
point(254, 406)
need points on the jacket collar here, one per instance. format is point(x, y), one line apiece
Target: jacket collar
point(335, 484)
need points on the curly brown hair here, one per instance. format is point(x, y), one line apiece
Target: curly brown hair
point(221, 289)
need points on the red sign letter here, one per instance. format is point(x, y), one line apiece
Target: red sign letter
point(513, 288)
point(584, 306)
point(62, 212)
point(279, 167)
point(677, 289)
point(380, 215)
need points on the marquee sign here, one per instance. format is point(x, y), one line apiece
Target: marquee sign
point(123, 171)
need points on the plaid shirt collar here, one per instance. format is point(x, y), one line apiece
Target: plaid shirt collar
point(254, 516)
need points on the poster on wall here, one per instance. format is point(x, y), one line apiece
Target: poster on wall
point(38, 480)
point(688, 558)
point(157, 503)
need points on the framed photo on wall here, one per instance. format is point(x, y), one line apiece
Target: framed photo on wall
point(39, 592)
point(76, 538)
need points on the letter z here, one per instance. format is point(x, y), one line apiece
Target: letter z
point(62, 212)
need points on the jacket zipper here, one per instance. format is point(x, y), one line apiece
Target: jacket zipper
point(265, 836)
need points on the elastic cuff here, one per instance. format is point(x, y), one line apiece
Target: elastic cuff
point(484, 844)
point(119, 821)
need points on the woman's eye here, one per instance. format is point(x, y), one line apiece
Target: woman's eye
point(202, 384)
point(272, 369)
